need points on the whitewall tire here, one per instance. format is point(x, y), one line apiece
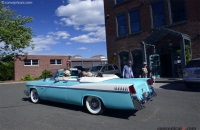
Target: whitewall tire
point(34, 96)
point(94, 105)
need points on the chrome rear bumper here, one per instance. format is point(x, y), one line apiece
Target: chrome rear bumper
point(139, 104)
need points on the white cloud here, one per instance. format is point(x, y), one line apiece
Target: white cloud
point(82, 48)
point(42, 43)
point(91, 37)
point(91, 27)
point(86, 16)
point(86, 39)
point(100, 33)
point(68, 43)
point(59, 34)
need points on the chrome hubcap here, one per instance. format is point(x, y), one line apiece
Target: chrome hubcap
point(94, 104)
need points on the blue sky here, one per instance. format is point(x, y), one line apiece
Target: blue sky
point(64, 27)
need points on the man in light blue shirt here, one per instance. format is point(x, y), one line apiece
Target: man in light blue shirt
point(127, 70)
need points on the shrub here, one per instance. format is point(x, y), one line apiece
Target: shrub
point(45, 74)
point(27, 77)
point(6, 70)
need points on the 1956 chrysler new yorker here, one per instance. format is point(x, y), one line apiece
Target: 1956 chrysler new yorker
point(95, 93)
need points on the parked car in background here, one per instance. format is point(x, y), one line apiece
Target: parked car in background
point(79, 68)
point(191, 73)
point(105, 69)
point(95, 93)
point(74, 72)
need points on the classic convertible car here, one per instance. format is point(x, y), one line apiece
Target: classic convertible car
point(95, 93)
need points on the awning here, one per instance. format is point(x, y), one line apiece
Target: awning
point(158, 34)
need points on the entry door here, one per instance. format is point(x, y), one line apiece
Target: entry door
point(154, 64)
point(166, 65)
point(137, 62)
point(124, 57)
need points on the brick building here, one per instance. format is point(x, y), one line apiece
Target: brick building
point(163, 33)
point(36, 64)
point(88, 62)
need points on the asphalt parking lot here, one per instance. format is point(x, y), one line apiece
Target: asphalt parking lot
point(174, 107)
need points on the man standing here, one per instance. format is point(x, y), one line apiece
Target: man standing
point(127, 70)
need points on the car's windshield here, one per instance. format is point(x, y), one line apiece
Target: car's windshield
point(74, 72)
point(96, 68)
point(193, 64)
point(58, 74)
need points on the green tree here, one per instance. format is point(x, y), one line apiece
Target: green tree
point(14, 35)
point(6, 70)
point(188, 54)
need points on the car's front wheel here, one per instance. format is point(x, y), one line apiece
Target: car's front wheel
point(34, 96)
point(94, 105)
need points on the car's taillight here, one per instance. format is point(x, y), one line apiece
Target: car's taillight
point(149, 82)
point(132, 89)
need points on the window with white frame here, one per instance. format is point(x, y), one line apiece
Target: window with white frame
point(33, 62)
point(55, 62)
point(121, 24)
point(134, 19)
point(158, 13)
point(178, 11)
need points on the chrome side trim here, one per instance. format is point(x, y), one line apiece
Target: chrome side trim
point(66, 87)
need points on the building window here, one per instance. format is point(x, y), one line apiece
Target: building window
point(55, 62)
point(31, 62)
point(121, 24)
point(134, 17)
point(119, 1)
point(158, 14)
point(178, 11)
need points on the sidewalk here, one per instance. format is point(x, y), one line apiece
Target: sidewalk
point(169, 80)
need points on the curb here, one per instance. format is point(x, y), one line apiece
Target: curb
point(169, 81)
point(11, 82)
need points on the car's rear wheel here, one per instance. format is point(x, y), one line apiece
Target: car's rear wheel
point(34, 96)
point(94, 105)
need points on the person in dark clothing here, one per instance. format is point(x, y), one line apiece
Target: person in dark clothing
point(145, 71)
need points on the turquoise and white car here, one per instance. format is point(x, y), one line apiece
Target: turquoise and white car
point(95, 93)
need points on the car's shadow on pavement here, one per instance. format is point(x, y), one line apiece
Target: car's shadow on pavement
point(123, 114)
point(180, 86)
